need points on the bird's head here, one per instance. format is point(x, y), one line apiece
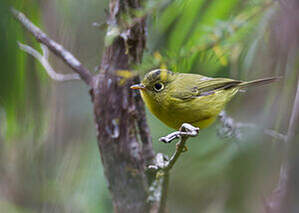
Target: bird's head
point(155, 82)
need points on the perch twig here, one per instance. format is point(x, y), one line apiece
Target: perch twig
point(163, 166)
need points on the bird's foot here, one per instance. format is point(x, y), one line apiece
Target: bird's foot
point(185, 130)
point(169, 138)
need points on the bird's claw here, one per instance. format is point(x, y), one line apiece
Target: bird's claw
point(170, 137)
point(189, 130)
point(185, 130)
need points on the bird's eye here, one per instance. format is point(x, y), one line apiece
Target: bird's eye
point(158, 87)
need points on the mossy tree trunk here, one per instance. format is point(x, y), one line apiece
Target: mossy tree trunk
point(119, 112)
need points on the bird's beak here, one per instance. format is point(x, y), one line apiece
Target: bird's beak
point(137, 86)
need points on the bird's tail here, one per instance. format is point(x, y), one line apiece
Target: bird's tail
point(259, 82)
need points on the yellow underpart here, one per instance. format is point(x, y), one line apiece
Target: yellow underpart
point(200, 112)
point(190, 98)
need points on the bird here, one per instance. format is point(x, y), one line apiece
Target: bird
point(178, 98)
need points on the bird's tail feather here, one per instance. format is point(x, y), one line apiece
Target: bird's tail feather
point(259, 82)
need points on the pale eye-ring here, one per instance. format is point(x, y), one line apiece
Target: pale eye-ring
point(158, 87)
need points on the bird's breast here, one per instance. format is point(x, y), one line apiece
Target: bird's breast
point(161, 108)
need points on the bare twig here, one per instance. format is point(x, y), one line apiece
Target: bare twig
point(163, 166)
point(164, 193)
point(232, 128)
point(293, 124)
point(56, 48)
point(185, 130)
point(43, 59)
point(180, 147)
point(274, 203)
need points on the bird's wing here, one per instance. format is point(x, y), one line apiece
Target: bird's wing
point(190, 87)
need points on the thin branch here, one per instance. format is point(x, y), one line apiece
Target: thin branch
point(232, 128)
point(274, 203)
point(185, 130)
point(163, 166)
point(43, 59)
point(293, 124)
point(164, 193)
point(56, 48)
point(180, 147)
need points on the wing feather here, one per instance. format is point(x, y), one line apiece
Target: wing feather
point(193, 86)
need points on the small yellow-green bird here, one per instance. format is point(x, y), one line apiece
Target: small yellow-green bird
point(177, 98)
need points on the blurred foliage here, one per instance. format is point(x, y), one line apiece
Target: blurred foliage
point(200, 35)
point(45, 167)
point(17, 83)
point(48, 150)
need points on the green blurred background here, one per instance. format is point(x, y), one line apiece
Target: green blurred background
point(49, 159)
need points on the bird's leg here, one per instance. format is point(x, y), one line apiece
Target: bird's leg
point(185, 130)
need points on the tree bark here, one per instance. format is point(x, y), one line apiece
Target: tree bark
point(119, 113)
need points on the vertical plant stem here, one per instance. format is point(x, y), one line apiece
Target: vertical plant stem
point(164, 193)
point(275, 203)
